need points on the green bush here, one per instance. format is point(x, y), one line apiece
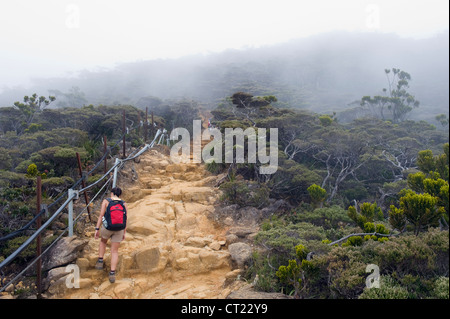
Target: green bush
point(353, 241)
point(345, 268)
point(317, 194)
point(245, 193)
point(282, 237)
point(54, 185)
point(328, 217)
point(5, 159)
point(23, 165)
point(261, 266)
point(325, 120)
point(367, 212)
point(389, 289)
point(419, 210)
point(32, 170)
point(425, 256)
point(411, 267)
point(441, 288)
point(12, 179)
point(214, 167)
point(29, 252)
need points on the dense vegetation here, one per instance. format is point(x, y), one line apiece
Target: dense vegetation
point(366, 192)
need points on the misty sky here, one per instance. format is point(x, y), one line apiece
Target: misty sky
point(52, 37)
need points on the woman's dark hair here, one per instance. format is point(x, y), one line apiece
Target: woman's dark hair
point(116, 191)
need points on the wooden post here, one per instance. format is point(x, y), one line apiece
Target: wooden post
point(153, 127)
point(105, 149)
point(138, 129)
point(123, 130)
point(38, 238)
point(83, 184)
point(146, 125)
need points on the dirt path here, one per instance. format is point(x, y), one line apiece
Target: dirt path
point(172, 249)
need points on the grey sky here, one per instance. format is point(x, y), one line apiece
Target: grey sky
point(51, 37)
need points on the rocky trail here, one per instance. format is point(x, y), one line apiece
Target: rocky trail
point(172, 249)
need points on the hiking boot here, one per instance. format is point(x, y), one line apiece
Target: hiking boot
point(112, 276)
point(99, 265)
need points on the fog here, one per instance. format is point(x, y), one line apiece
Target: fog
point(321, 55)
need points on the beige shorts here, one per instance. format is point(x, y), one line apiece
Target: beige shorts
point(116, 236)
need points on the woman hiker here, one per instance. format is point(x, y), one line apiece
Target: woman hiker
point(111, 224)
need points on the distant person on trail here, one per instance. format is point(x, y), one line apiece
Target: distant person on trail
point(112, 220)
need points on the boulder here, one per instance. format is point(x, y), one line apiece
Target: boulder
point(61, 279)
point(240, 253)
point(64, 252)
point(147, 258)
point(248, 292)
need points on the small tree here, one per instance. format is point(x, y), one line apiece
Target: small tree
point(32, 170)
point(398, 102)
point(419, 210)
point(368, 213)
point(433, 185)
point(294, 273)
point(397, 218)
point(442, 119)
point(425, 161)
point(430, 164)
point(325, 120)
point(31, 106)
point(317, 194)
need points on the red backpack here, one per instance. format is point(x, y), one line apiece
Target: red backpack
point(115, 215)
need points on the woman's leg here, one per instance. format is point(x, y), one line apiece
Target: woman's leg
point(101, 253)
point(102, 247)
point(114, 255)
point(114, 261)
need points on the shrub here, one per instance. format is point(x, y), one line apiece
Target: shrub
point(32, 170)
point(294, 273)
point(425, 255)
point(12, 179)
point(353, 241)
point(367, 213)
point(245, 193)
point(441, 288)
point(410, 267)
point(261, 266)
point(317, 194)
point(346, 272)
point(420, 210)
point(29, 252)
point(55, 185)
point(325, 120)
point(5, 159)
point(389, 289)
point(328, 217)
point(214, 167)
